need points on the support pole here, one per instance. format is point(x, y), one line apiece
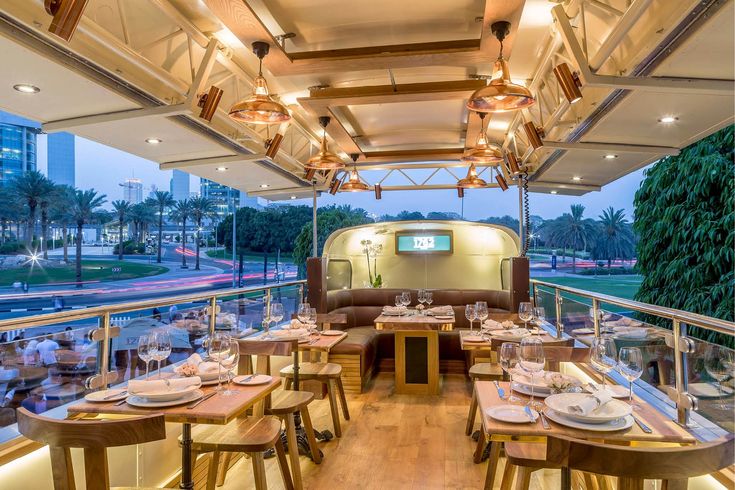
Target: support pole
point(234, 238)
point(314, 234)
point(520, 212)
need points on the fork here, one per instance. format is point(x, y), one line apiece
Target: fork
point(501, 391)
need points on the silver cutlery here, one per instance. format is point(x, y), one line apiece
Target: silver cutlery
point(544, 420)
point(247, 378)
point(115, 395)
point(501, 391)
point(202, 399)
point(121, 402)
point(528, 411)
point(643, 426)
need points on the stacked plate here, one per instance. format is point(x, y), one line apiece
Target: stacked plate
point(611, 416)
point(540, 382)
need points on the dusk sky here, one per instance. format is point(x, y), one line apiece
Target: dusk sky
point(103, 168)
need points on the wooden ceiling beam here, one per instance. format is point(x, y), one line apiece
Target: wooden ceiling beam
point(423, 49)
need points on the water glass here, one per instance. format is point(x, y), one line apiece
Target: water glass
point(469, 313)
point(719, 362)
point(428, 297)
point(229, 361)
point(532, 360)
point(218, 348)
point(509, 359)
point(266, 322)
point(311, 322)
point(144, 352)
point(539, 315)
point(303, 312)
point(481, 312)
point(399, 304)
point(525, 313)
point(630, 365)
point(603, 356)
point(406, 298)
point(276, 312)
point(162, 348)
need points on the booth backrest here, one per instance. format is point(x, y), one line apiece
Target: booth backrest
point(362, 306)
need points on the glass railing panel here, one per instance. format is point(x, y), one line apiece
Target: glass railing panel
point(242, 315)
point(43, 368)
point(545, 299)
point(711, 378)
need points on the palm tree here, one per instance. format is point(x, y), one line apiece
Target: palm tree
point(121, 208)
point(181, 213)
point(45, 203)
point(61, 214)
point(616, 239)
point(10, 212)
point(84, 207)
point(571, 230)
point(162, 200)
point(201, 208)
point(140, 214)
point(31, 187)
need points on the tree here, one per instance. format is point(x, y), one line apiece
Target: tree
point(201, 208)
point(45, 203)
point(329, 219)
point(570, 230)
point(615, 239)
point(11, 210)
point(141, 215)
point(161, 200)
point(83, 210)
point(181, 213)
point(61, 214)
point(31, 187)
point(684, 209)
point(122, 208)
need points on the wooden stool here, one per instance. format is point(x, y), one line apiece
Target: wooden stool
point(94, 436)
point(326, 373)
point(523, 458)
point(249, 436)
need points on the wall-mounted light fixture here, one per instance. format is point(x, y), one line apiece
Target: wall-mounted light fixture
point(209, 102)
point(378, 192)
point(66, 16)
point(534, 134)
point(501, 182)
point(569, 82)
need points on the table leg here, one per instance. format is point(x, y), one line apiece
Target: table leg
point(566, 479)
point(186, 463)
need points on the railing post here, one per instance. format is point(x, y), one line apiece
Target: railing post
point(212, 314)
point(301, 293)
point(534, 295)
point(267, 308)
point(596, 316)
point(683, 402)
point(559, 326)
point(104, 368)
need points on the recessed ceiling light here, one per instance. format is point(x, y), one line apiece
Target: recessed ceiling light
point(26, 88)
point(264, 186)
point(576, 179)
point(610, 156)
point(221, 169)
point(668, 119)
point(153, 141)
point(553, 192)
point(293, 197)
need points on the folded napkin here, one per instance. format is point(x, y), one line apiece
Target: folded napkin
point(292, 332)
point(490, 324)
point(440, 310)
point(394, 309)
point(295, 323)
point(155, 386)
point(590, 403)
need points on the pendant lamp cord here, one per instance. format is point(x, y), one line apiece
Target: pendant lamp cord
point(526, 215)
point(500, 56)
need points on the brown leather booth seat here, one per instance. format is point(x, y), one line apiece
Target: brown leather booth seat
point(363, 306)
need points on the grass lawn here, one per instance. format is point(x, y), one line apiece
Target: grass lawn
point(624, 286)
point(221, 253)
point(92, 270)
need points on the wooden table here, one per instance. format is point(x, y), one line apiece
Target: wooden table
point(486, 345)
point(496, 432)
point(219, 410)
point(417, 351)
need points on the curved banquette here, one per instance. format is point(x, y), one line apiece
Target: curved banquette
point(365, 347)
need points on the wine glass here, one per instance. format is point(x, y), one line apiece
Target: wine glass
point(162, 348)
point(218, 348)
point(532, 359)
point(603, 356)
point(276, 312)
point(144, 351)
point(509, 358)
point(406, 298)
point(630, 365)
point(428, 297)
point(399, 304)
point(266, 322)
point(311, 322)
point(525, 313)
point(303, 312)
point(539, 316)
point(229, 360)
point(470, 314)
point(421, 297)
point(719, 363)
point(481, 312)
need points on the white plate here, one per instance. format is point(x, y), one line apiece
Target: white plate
point(205, 377)
point(212, 382)
point(167, 396)
point(138, 401)
point(708, 390)
point(616, 391)
point(612, 410)
point(540, 382)
point(105, 396)
point(257, 379)
point(473, 338)
point(526, 390)
point(444, 317)
point(332, 332)
point(515, 414)
point(511, 335)
point(615, 425)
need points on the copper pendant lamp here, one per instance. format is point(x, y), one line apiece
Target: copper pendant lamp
point(354, 184)
point(501, 94)
point(260, 108)
point(483, 151)
point(471, 181)
point(325, 159)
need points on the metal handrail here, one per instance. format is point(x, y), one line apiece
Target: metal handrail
point(97, 311)
point(682, 344)
point(694, 319)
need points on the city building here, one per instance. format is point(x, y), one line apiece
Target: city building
point(179, 185)
point(152, 191)
point(221, 195)
point(132, 190)
point(61, 161)
point(17, 146)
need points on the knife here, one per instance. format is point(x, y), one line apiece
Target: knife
point(501, 391)
point(544, 422)
point(643, 426)
point(115, 395)
point(202, 399)
point(528, 411)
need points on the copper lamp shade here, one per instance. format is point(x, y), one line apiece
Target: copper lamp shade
point(260, 108)
point(534, 135)
point(325, 159)
point(501, 182)
point(513, 163)
point(483, 152)
point(354, 184)
point(472, 181)
point(501, 94)
point(569, 83)
point(378, 191)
